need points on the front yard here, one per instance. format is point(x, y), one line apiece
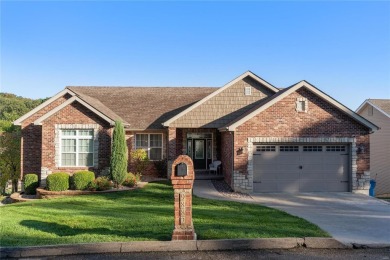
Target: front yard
point(143, 214)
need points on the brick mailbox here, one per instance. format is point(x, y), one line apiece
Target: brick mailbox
point(182, 178)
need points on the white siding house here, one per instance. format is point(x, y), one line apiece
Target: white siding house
point(377, 111)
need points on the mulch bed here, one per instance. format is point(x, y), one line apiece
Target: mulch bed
point(223, 188)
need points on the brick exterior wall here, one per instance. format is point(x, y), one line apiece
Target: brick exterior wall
point(227, 156)
point(131, 145)
point(320, 121)
point(75, 116)
point(31, 143)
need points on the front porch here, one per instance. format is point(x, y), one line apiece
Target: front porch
point(201, 144)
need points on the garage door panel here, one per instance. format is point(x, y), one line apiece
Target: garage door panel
point(324, 168)
point(290, 186)
point(310, 159)
point(288, 175)
point(265, 158)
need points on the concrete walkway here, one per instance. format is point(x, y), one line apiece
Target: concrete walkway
point(349, 218)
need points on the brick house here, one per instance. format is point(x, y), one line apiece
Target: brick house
point(294, 139)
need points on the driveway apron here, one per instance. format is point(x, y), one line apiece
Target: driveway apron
point(349, 218)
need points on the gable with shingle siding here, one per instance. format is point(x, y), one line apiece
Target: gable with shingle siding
point(225, 106)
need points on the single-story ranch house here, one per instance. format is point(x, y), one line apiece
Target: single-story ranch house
point(295, 139)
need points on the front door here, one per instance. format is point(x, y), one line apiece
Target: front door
point(199, 154)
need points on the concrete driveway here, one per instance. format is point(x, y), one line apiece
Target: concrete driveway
point(349, 218)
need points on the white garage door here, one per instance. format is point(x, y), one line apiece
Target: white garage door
point(300, 168)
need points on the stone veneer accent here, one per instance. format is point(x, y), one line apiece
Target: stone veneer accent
point(244, 183)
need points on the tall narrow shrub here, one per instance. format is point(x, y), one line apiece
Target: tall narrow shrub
point(118, 167)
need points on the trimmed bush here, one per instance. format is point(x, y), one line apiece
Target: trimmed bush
point(131, 180)
point(140, 160)
point(118, 166)
point(81, 180)
point(30, 183)
point(57, 181)
point(102, 183)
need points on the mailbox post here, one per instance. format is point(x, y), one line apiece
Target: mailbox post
point(182, 178)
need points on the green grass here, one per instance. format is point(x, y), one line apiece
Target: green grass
point(143, 214)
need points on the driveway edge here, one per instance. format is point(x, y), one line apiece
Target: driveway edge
point(159, 246)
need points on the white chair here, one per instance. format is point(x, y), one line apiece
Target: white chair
point(214, 167)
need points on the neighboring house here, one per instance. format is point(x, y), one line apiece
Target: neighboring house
point(295, 139)
point(378, 112)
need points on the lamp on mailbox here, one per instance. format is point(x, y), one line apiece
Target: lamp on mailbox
point(181, 170)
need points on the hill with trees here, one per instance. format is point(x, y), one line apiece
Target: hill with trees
point(11, 108)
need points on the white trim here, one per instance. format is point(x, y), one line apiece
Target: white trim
point(69, 101)
point(60, 127)
point(248, 73)
point(77, 152)
point(44, 104)
point(315, 91)
point(367, 102)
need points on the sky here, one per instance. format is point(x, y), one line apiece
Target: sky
point(341, 47)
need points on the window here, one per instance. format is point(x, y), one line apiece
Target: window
point(248, 91)
point(289, 148)
point(312, 148)
point(152, 143)
point(265, 148)
point(76, 147)
point(301, 105)
point(335, 148)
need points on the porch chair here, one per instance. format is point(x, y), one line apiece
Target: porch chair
point(214, 167)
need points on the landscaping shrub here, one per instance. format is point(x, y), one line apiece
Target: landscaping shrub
point(118, 167)
point(57, 181)
point(140, 160)
point(31, 183)
point(100, 183)
point(81, 179)
point(161, 167)
point(131, 180)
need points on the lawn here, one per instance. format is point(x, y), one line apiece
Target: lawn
point(143, 214)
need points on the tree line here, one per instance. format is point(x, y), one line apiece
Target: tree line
point(11, 108)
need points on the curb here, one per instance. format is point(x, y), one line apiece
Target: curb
point(160, 246)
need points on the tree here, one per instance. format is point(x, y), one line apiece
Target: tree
point(118, 167)
point(9, 159)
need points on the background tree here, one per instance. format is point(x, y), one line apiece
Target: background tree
point(9, 159)
point(118, 167)
point(11, 108)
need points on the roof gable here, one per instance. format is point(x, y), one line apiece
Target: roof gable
point(382, 105)
point(229, 84)
point(284, 93)
point(44, 104)
point(68, 102)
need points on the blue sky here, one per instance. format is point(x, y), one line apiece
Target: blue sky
point(343, 48)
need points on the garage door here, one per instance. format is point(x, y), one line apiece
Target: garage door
point(300, 168)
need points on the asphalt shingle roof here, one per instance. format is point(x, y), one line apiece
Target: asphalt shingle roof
point(141, 107)
point(383, 104)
